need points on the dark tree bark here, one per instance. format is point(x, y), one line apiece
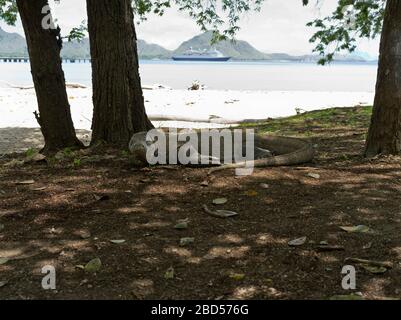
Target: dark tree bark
point(48, 77)
point(384, 135)
point(119, 109)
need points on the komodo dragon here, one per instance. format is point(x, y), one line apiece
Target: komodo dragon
point(269, 151)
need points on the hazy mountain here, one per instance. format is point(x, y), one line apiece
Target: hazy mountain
point(75, 49)
point(366, 56)
point(13, 45)
point(152, 51)
point(242, 50)
point(337, 58)
point(145, 50)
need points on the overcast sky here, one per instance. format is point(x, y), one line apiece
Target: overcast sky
point(278, 27)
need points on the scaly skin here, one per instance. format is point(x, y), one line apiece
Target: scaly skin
point(292, 151)
point(289, 151)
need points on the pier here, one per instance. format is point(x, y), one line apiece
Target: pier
point(14, 59)
point(26, 60)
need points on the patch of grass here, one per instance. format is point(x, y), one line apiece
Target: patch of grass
point(305, 123)
point(67, 152)
point(30, 152)
point(77, 162)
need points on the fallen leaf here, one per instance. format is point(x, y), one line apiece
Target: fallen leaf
point(39, 189)
point(237, 276)
point(264, 186)
point(220, 213)
point(85, 281)
point(94, 265)
point(356, 229)
point(3, 261)
point(169, 274)
point(117, 241)
point(297, 242)
point(386, 264)
point(251, 193)
point(220, 201)
point(374, 269)
point(181, 225)
point(367, 246)
point(80, 266)
point(3, 283)
point(1, 227)
point(84, 234)
point(37, 157)
point(101, 197)
point(313, 175)
point(25, 182)
point(186, 241)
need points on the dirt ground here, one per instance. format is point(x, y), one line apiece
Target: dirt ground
point(14, 140)
point(77, 204)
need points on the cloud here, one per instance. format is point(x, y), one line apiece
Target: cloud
point(279, 27)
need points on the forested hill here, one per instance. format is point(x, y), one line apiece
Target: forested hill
point(14, 45)
point(145, 50)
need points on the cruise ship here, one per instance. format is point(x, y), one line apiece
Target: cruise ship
point(201, 55)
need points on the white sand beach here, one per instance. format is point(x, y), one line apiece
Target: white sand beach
point(200, 109)
point(210, 108)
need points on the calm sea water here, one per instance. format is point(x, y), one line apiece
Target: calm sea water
point(228, 75)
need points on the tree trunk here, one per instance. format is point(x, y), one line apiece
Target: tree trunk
point(119, 109)
point(48, 77)
point(384, 135)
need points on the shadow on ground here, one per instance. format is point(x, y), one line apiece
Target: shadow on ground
point(70, 213)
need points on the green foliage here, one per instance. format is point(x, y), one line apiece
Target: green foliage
point(78, 33)
point(351, 20)
point(221, 17)
point(8, 11)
